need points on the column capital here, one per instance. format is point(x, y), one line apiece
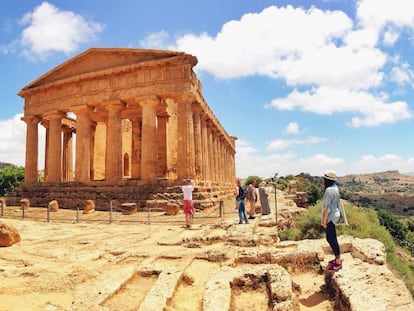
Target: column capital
point(114, 104)
point(149, 102)
point(31, 119)
point(189, 97)
point(56, 115)
point(197, 107)
point(82, 109)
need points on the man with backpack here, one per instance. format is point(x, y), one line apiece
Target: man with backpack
point(240, 193)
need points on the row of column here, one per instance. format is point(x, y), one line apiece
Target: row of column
point(181, 142)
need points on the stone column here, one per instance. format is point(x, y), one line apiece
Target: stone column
point(149, 145)
point(185, 139)
point(198, 162)
point(32, 149)
point(54, 149)
point(162, 145)
point(113, 164)
point(172, 139)
point(45, 124)
point(204, 153)
point(83, 144)
point(67, 157)
point(210, 151)
point(92, 150)
point(232, 157)
point(136, 148)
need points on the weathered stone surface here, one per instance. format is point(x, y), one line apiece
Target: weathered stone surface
point(8, 235)
point(361, 286)
point(89, 207)
point(219, 286)
point(128, 208)
point(54, 206)
point(369, 250)
point(172, 208)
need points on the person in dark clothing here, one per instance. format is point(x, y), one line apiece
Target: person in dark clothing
point(240, 193)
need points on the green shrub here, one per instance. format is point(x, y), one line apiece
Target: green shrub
point(10, 177)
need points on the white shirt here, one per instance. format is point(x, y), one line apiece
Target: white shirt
point(188, 192)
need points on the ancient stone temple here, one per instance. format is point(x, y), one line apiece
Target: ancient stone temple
point(123, 124)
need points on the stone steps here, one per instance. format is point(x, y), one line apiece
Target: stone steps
point(74, 195)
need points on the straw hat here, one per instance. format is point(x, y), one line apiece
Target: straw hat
point(330, 175)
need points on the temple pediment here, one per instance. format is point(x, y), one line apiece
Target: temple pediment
point(100, 59)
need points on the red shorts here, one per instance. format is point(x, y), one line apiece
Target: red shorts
point(188, 207)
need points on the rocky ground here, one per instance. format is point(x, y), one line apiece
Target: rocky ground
point(150, 261)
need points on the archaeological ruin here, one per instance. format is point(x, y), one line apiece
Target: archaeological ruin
point(127, 125)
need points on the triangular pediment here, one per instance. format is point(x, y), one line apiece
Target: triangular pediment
point(98, 59)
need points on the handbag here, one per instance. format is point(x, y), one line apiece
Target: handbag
point(343, 220)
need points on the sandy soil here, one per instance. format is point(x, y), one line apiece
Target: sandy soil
point(80, 258)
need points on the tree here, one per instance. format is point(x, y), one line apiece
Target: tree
point(314, 193)
point(251, 178)
point(10, 177)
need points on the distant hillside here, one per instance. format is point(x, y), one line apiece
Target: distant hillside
point(386, 190)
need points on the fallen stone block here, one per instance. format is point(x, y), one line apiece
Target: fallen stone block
point(89, 207)
point(53, 206)
point(24, 203)
point(8, 235)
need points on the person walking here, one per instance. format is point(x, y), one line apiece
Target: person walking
point(240, 193)
point(251, 198)
point(264, 202)
point(188, 202)
point(330, 216)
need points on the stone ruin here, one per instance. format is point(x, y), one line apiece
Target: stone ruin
point(142, 126)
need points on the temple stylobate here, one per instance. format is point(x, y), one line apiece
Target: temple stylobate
point(118, 114)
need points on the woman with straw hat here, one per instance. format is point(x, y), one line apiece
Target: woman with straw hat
point(330, 216)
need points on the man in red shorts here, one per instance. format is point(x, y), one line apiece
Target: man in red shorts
point(188, 202)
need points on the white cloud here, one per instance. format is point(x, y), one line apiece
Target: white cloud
point(390, 37)
point(244, 148)
point(280, 144)
point(402, 74)
point(266, 43)
point(49, 29)
point(291, 163)
point(292, 128)
point(324, 100)
point(337, 66)
point(13, 141)
point(380, 13)
point(372, 164)
point(155, 40)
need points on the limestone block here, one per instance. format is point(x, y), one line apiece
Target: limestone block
point(172, 209)
point(128, 208)
point(24, 203)
point(53, 206)
point(89, 207)
point(369, 250)
point(8, 235)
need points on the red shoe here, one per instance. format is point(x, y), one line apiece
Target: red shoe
point(334, 266)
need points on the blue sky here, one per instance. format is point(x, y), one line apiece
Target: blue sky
point(305, 86)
